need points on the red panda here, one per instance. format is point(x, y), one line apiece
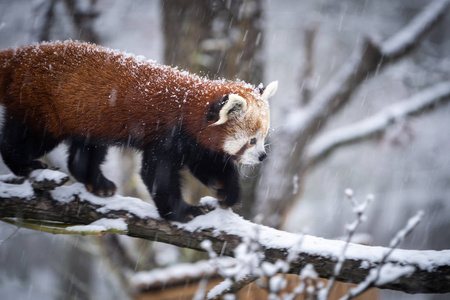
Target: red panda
point(93, 97)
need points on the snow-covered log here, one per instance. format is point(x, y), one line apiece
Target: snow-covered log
point(64, 207)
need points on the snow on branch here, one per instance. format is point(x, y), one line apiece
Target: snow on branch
point(377, 123)
point(359, 210)
point(274, 197)
point(405, 39)
point(364, 62)
point(386, 271)
point(66, 206)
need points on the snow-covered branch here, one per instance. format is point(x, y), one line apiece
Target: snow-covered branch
point(304, 123)
point(67, 206)
point(371, 57)
point(377, 123)
point(406, 38)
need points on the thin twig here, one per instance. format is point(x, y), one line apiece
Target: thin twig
point(395, 242)
point(10, 236)
point(359, 210)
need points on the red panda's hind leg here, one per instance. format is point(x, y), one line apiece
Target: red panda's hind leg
point(21, 148)
point(84, 164)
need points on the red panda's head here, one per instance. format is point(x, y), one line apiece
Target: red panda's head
point(243, 118)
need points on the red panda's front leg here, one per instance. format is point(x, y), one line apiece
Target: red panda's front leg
point(219, 172)
point(161, 174)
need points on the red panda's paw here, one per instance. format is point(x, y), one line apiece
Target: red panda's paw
point(194, 211)
point(187, 214)
point(37, 164)
point(105, 188)
point(228, 197)
point(34, 165)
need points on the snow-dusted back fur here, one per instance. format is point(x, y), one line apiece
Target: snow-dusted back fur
point(94, 97)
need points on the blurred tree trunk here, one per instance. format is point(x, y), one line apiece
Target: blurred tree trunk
point(83, 18)
point(217, 39)
point(82, 15)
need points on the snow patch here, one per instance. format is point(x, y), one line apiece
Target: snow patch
point(218, 289)
point(210, 202)
point(101, 225)
point(277, 283)
point(24, 190)
point(48, 174)
point(132, 205)
point(390, 273)
point(69, 193)
point(225, 220)
point(146, 279)
point(10, 177)
point(365, 265)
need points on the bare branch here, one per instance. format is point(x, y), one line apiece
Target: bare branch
point(370, 59)
point(233, 287)
point(275, 196)
point(378, 123)
point(72, 205)
point(406, 38)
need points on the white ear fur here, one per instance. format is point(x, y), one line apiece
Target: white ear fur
point(270, 90)
point(235, 102)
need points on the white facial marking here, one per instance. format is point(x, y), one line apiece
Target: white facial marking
point(242, 142)
point(251, 152)
point(235, 143)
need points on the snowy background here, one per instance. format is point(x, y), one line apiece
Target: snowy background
point(407, 169)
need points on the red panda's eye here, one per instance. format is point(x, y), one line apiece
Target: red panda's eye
point(253, 141)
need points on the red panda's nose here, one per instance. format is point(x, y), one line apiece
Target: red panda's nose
point(262, 156)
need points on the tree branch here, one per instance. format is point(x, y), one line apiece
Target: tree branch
point(370, 60)
point(378, 123)
point(303, 123)
point(405, 39)
point(73, 205)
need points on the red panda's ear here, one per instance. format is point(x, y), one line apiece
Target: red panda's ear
point(222, 108)
point(269, 91)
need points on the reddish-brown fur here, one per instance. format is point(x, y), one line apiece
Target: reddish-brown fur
point(79, 89)
point(95, 97)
